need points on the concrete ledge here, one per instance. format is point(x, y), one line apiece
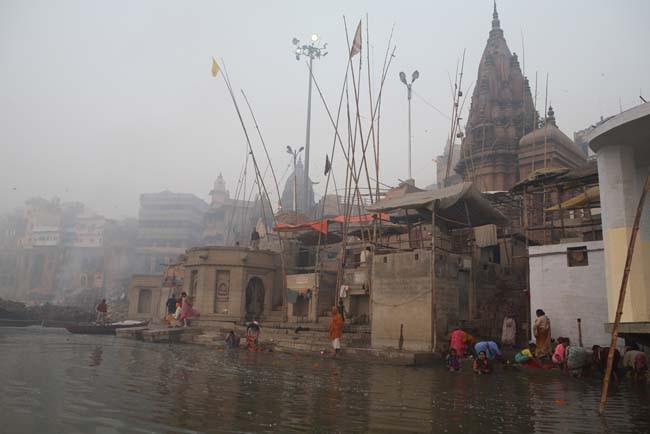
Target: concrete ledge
point(181, 334)
point(391, 356)
point(630, 327)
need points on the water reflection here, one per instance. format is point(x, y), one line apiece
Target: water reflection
point(96, 357)
point(103, 384)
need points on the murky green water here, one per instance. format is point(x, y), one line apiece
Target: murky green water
point(54, 382)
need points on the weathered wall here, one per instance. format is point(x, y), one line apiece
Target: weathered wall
point(567, 293)
point(157, 306)
point(621, 182)
point(402, 295)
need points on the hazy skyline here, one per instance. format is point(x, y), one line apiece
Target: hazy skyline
point(103, 101)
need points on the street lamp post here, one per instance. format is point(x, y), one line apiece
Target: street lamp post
point(312, 51)
point(402, 77)
point(295, 153)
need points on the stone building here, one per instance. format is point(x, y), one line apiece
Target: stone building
point(548, 147)
point(462, 276)
point(226, 283)
point(501, 112)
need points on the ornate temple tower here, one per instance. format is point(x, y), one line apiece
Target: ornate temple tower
point(501, 113)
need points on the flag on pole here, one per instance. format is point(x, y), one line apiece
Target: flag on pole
point(328, 164)
point(215, 68)
point(356, 43)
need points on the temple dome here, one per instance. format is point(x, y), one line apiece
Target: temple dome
point(549, 133)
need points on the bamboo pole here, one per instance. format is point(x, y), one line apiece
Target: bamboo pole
point(621, 294)
point(262, 189)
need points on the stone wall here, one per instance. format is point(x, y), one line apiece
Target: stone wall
point(401, 296)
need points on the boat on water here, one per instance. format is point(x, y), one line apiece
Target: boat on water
point(103, 329)
point(18, 322)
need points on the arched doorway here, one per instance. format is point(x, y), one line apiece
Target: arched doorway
point(254, 298)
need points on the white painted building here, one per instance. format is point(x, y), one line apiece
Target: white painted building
point(622, 146)
point(568, 282)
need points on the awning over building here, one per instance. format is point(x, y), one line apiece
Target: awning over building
point(323, 225)
point(460, 205)
point(587, 199)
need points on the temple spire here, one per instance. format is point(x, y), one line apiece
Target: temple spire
point(496, 24)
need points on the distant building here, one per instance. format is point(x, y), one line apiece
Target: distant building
point(44, 223)
point(54, 251)
point(227, 220)
point(168, 224)
point(297, 177)
point(441, 167)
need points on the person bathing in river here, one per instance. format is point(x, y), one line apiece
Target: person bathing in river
point(599, 358)
point(576, 359)
point(636, 362)
point(559, 355)
point(232, 341)
point(460, 340)
point(453, 361)
point(253, 336)
point(490, 348)
point(526, 357)
point(481, 364)
point(542, 333)
point(102, 309)
point(336, 329)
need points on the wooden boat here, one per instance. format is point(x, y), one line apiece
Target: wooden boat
point(103, 329)
point(50, 323)
point(18, 322)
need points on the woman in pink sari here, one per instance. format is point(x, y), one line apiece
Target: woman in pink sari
point(187, 311)
point(459, 340)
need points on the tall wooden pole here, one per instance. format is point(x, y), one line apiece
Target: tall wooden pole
point(621, 294)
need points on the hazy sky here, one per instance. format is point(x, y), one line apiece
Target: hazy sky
point(103, 100)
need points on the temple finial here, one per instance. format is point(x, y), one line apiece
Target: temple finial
point(495, 17)
point(550, 118)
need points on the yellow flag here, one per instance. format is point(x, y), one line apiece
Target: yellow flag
point(215, 68)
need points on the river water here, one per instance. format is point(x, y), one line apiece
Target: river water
point(55, 382)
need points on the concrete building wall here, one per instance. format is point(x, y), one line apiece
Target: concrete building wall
point(401, 295)
point(567, 293)
point(621, 183)
point(153, 309)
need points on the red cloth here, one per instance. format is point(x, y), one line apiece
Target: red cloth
point(102, 307)
point(323, 225)
point(336, 325)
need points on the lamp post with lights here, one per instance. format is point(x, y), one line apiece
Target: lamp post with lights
point(313, 51)
point(402, 77)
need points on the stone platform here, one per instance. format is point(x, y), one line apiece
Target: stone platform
point(289, 338)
